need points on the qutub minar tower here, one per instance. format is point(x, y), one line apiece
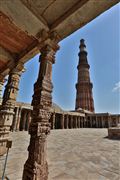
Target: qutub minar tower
point(84, 97)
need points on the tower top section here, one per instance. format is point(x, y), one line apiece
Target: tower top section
point(82, 46)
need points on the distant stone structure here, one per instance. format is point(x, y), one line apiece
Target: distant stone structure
point(84, 97)
point(61, 119)
point(114, 132)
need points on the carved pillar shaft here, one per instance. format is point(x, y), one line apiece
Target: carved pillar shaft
point(71, 122)
point(62, 121)
point(28, 120)
point(18, 120)
point(79, 122)
point(24, 119)
point(15, 119)
point(36, 165)
point(76, 122)
point(8, 105)
point(66, 120)
point(53, 121)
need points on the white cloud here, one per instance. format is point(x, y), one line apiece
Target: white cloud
point(116, 87)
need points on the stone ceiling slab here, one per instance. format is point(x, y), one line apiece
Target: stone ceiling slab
point(22, 21)
point(89, 11)
point(22, 17)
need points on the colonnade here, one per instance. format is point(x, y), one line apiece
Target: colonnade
point(21, 119)
point(69, 121)
point(66, 121)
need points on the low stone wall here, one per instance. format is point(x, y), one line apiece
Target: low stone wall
point(114, 133)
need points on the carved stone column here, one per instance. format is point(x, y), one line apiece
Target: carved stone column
point(8, 105)
point(62, 121)
point(36, 167)
point(91, 121)
point(66, 121)
point(18, 119)
point(78, 122)
point(29, 120)
point(24, 120)
point(71, 122)
point(15, 119)
point(96, 122)
point(75, 121)
point(53, 121)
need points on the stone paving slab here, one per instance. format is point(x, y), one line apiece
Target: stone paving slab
point(73, 154)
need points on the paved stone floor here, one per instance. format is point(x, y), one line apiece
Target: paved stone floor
point(76, 154)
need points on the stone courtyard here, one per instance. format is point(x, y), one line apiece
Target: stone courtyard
point(73, 154)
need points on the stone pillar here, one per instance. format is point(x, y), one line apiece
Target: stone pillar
point(109, 121)
point(29, 120)
point(8, 105)
point(15, 119)
point(66, 121)
point(91, 122)
point(78, 122)
point(18, 119)
point(36, 167)
point(71, 122)
point(82, 122)
point(53, 121)
point(62, 121)
point(75, 121)
point(24, 119)
point(102, 121)
point(96, 120)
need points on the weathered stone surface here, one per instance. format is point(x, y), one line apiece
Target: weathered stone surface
point(7, 107)
point(76, 154)
point(114, 132)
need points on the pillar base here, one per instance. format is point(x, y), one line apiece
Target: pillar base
point(114, 133)
point(35, 172)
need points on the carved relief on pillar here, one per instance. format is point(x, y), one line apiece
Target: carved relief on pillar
point(8, 105)
point(29, 120)
point(36, 165)
point(67, 120)
point(14, 122)
point(53, 121)
point(18, 119)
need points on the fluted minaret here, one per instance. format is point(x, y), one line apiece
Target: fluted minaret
point(84, 97)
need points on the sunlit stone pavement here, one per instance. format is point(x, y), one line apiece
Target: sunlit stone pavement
point(76, 154)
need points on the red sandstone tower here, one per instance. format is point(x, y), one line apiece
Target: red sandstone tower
point(84, 97)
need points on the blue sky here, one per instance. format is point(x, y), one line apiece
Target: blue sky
point(102, 39)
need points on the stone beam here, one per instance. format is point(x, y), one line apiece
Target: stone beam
point(81, 16)
point(68, 13)
point(6, 56)
point(8, 61)
point(23, 18)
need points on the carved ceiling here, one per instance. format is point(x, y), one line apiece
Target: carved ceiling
point(21, 23)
